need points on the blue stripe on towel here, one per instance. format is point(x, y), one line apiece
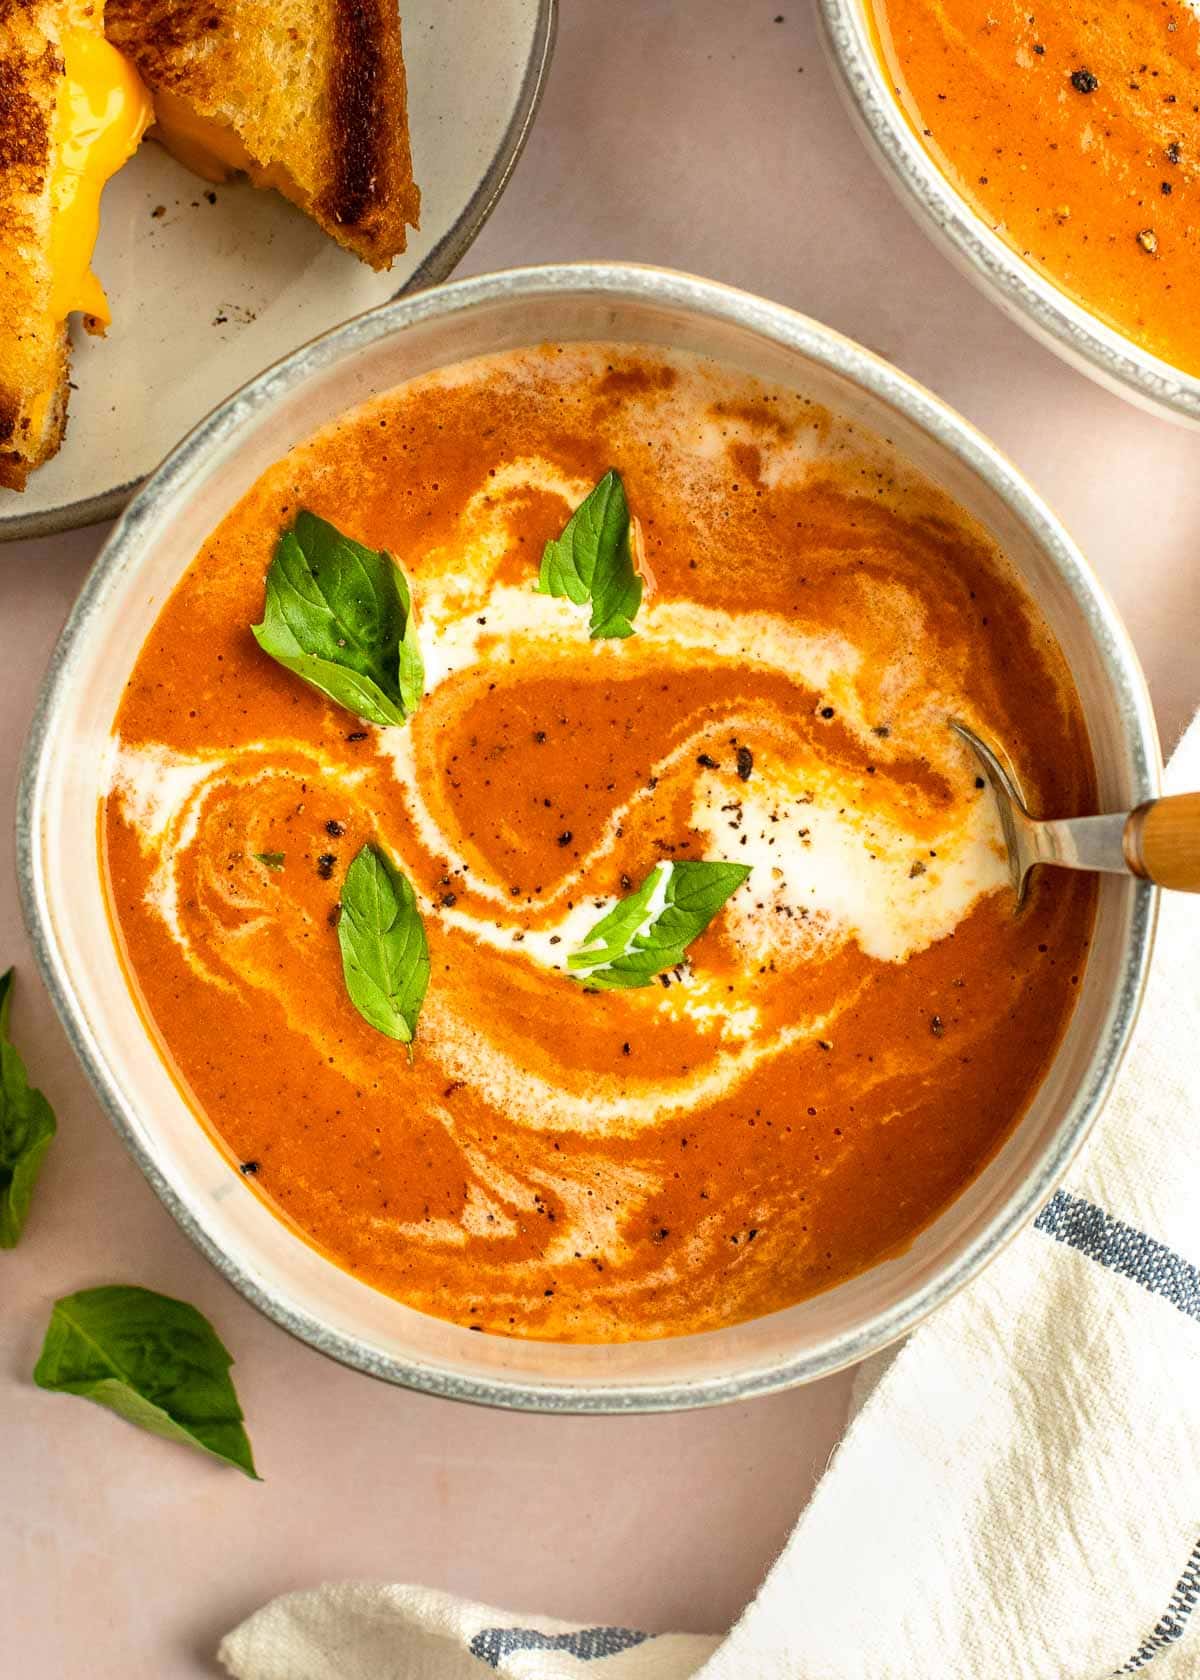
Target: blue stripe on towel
point(1123, 1249)
point(490, 1645)
point(1170, 1625)
point(1132, 1254)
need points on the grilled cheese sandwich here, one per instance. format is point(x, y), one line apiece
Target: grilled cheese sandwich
point(72, 110)
point(306, 96)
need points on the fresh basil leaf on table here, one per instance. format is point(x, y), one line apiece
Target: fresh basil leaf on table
point(593, 561)
point(385, 955)
point(27, 1126)
point(340, 616)
point(153, 1360)
point(647, 933)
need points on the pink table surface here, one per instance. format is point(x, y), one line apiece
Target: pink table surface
point(706, 136)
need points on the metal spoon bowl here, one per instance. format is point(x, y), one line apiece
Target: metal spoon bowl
point(1159, 841)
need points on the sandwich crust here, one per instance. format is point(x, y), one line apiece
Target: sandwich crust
point(312, 90)
point(33, 349)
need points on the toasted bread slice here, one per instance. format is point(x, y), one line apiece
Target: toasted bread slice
point(307, 96)
point(33, 348)
point(71, 112)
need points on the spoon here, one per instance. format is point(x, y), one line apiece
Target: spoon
point(1158, 842)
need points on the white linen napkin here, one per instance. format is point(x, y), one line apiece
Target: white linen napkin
point(1018, 1496)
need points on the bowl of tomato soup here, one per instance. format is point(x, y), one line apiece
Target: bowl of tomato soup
point(493, 835)
point(1054, 156)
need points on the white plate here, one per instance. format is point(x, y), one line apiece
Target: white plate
point(207, 294)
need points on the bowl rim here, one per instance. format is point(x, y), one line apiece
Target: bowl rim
point(840, 356)
point(1031, 299)
point(437, 265)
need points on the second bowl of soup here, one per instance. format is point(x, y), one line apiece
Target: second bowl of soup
point(1053, 153)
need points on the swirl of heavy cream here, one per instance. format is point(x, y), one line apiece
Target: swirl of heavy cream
point(830, 864)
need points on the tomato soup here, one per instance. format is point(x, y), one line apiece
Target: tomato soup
point(1074, 131)
point(847, 1040)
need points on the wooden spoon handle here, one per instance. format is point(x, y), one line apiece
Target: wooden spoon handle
point(1162, 841)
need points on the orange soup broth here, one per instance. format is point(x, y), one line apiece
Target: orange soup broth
point(1094, 185)
point(554, 1162)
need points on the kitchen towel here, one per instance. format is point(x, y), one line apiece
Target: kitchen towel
point(1018, 1495)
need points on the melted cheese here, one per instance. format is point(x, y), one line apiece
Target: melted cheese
point(103, 111)
point(210, 149)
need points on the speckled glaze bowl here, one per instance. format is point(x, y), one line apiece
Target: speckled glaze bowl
point(65, 905)
point(1060, 323)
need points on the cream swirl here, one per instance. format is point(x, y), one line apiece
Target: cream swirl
point(835, 857)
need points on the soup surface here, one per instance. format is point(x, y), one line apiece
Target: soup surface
point(1074, 131)
point(848, 1041)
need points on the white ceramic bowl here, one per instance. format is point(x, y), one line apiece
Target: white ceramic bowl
point(68, 920)
point(996, 268)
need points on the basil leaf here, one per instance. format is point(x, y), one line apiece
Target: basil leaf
point(154, 1361)
point(385, 957)
point(272, 860)
point(647, 933)
point(340, 616)
point(27, 1126)
point(592, 560)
